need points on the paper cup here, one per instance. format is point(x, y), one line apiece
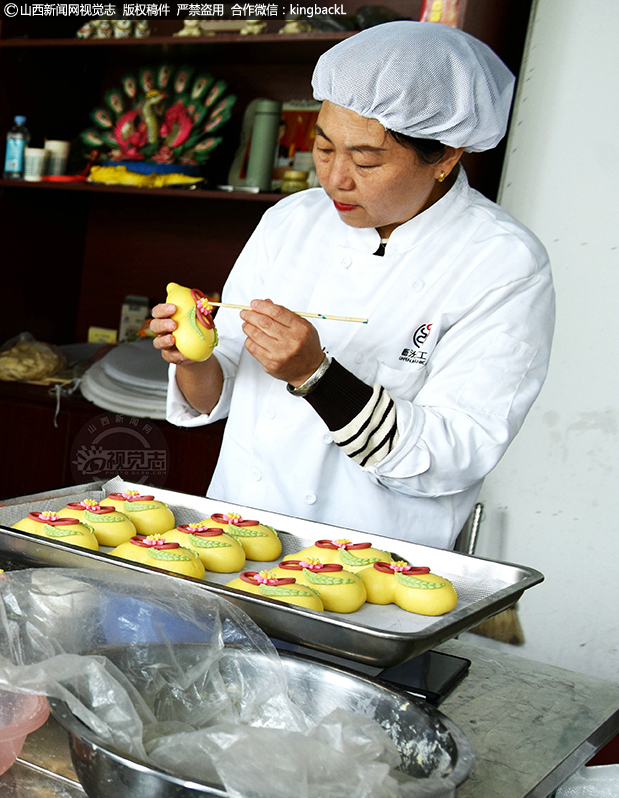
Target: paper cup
point(58, 152)
point(34, 163)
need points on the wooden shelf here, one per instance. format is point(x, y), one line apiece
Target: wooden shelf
point(179, 192)
point(184, 41)
point(266, 48)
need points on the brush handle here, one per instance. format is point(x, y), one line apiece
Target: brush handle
point(299, 313)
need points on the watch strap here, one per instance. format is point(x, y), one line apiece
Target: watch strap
point(313, 380)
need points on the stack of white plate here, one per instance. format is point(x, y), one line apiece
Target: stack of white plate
point(131, 379)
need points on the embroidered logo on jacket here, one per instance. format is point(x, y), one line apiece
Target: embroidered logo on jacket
point(417, 355)
point(414, 356)
point(420, 336)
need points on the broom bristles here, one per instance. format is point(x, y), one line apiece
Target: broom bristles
point(504, 627)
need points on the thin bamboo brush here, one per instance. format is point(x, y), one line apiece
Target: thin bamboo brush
point(307, 315)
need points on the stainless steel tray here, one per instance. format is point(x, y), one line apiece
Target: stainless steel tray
point(378, 636)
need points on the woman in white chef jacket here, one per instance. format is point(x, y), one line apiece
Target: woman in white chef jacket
point(391, 426)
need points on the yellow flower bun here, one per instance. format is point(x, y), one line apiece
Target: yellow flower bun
point(196, 334)
point(339, 590)
point(62, 529)
point(158, 552)
point(149, 516)
point(110, 526)
point(259, 541)
point(351, 556)
point(286, 589)
point(413, 589)
point(218, 551)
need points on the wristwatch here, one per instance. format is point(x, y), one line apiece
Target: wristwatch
point(312, 381)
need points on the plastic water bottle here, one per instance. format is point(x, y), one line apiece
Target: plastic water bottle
point(17, 139)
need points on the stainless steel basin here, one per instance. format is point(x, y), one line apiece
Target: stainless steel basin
point(432, 748)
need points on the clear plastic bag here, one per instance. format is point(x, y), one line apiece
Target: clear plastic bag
point(222, 716)
point(25, 358)
point(601, 781)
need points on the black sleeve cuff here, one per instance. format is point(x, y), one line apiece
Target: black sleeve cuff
point(339, 396)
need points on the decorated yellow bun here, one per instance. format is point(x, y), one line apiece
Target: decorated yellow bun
point(218, 551)
point(149, 516)
point(110, 526)
point(352, 556)
point(62, 529)
point(287, 589)
point(196, 334)
point(339, 590)
point(259, 541)
point(159, 552)
point(413, 589)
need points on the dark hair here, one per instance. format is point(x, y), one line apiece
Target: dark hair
point(429, 151)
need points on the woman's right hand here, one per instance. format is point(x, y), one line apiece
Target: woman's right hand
point(163, 325)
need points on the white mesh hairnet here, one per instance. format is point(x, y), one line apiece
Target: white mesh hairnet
point(422, 79)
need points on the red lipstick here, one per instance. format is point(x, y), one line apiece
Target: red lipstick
point(340, 206)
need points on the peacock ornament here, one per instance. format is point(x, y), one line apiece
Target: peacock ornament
point(162, 116)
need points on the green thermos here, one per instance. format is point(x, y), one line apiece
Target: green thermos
point(264, 139)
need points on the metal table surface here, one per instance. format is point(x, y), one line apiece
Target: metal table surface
point(530, 725)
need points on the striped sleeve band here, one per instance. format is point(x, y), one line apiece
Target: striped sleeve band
point(361, 419)
point(373, 433)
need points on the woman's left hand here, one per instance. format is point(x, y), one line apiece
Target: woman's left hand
point(286, 345)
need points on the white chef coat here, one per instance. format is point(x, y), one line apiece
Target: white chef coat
point(461, 314)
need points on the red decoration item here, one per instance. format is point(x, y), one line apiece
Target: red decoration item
point(98, 509)
point(52, 520)
point(203, 309)
point(229, 519)
point(408, 570)
point(254, 578)
point(202, 532)
point(153, 543)
point(444, 11)
point(130, 497)
point(342, 544)
point(316, 567)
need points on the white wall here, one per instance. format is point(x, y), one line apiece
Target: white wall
point(553, 502)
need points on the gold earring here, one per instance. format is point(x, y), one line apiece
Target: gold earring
point(441, 177)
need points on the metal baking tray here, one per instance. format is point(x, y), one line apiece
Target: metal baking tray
point(378, 636)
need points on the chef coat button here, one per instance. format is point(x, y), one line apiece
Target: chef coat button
point(310, 498)
point(269, 413)
point(359, 357)
point(256, 475)
point(417, 286)
point(326, 438)
point(345, 261)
